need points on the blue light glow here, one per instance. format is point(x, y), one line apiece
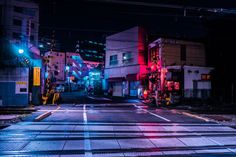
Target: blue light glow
point(67, 68)
point(21, 51)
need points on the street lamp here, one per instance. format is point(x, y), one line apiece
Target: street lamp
point(20, 51)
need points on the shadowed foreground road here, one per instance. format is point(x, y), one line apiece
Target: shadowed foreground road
point(127, 129)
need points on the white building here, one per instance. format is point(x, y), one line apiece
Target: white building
point(19, 20)
point(196, 80)
point(55, 65)
point(125, 61)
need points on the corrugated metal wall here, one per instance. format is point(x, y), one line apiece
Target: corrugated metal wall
point(14, 84)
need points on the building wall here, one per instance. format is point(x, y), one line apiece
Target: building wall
point(14, 84)
point(56, 63)
point(130, 41)
point(194, 86)
point(170, 50)
point(117, 44)
point(24, 11)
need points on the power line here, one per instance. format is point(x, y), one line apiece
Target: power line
point(171, 6)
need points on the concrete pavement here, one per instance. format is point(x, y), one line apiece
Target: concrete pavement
point(121, 129)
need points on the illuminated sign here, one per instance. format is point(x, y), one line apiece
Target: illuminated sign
point(21, 87)
point(205, 77)
point(36, 76)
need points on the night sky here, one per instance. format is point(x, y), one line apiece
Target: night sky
point(93, 20)
point(74, 20)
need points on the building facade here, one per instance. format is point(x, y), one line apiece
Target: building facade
point(55, 65)
point(178, 67)
point(125, 62)
point(177, 52)
point(70, 68)
point(20, 21)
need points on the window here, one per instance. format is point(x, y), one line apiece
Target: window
point(127, 57)
point(183, 52)
point(32, 25)
point(206, 77)
point(18, 9)
point(16, 35)
point(31, 38)
point(113, 60)
point(17, 22)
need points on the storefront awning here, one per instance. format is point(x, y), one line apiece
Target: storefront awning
point(116, 79)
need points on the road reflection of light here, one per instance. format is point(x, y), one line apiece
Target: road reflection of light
point(144, 107)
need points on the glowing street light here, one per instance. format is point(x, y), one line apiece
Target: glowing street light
point(20, 51)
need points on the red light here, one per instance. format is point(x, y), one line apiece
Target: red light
point(153, 67)
point(176, 86)
point(145, 93)
point(169, 85)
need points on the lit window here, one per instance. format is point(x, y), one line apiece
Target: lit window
point(113, 60)
point(206, 77)
point(127, 57)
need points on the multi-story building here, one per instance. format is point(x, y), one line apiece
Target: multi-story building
point(125, 62)
point(91, 50)
point(178, 66)
point(20, 20)
point(55, 68)
point(177, 52)
point(68, 67)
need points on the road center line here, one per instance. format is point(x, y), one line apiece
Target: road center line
point(87, 143)
point(151, 113)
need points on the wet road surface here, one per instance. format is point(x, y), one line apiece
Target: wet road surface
point(116, 129)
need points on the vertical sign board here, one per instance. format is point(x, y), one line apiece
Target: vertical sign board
point(36, 76)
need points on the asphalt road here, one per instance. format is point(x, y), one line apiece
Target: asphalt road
point(107, 128)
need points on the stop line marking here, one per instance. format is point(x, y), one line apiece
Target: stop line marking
point(156, 115)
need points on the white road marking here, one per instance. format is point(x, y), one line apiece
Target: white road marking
point(56, 109)
point(87, 143)
point(98, 98)
point(195, 116)
point(46, 114)
point(152, 113)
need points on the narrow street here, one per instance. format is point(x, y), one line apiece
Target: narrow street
point(115, 129)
